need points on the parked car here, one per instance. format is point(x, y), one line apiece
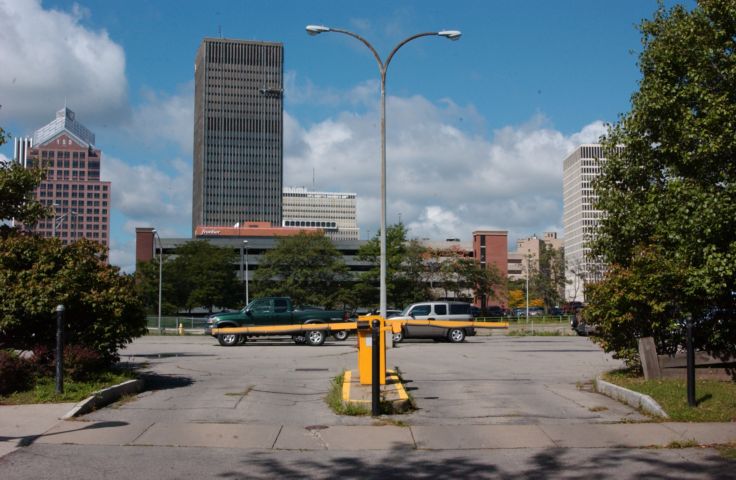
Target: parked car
point(581, 328)
point(492, 311)
point(458, 311)
point(276, 311)
point(533, 312)
point(390, 312)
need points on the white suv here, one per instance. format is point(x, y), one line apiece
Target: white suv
point(459, 311)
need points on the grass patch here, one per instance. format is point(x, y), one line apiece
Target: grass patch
point(716, 399)
point(535, 333)
point(338, 405)
point(44, 390)
point(728, 450)
point(683, 444)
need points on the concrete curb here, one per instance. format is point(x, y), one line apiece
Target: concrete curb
point(104, 397)
point(635, 399)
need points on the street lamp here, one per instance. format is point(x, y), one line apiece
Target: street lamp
point(160, 265)
point(244, 276)
point(59, 221)
point(382, 68)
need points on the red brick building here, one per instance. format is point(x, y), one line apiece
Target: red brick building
point(72, 188)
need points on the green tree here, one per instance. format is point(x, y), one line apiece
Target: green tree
point(102, 310)
point(17, 200)
point(548, 281)
point(306, 267)
point(405, 272)
point(670, 192)
point(202, 275)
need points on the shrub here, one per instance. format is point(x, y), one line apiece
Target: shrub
point(80, 363)
point(15, 373)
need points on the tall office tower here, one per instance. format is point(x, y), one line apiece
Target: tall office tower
point(331, 211)
point(21, 149)
point(80, 202)
point(238, 132)
point(580, 219)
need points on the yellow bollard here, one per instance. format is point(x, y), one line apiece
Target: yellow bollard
point(365, 351)
point(181, 329)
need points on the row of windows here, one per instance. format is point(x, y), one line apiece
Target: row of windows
point(80, 187)
point(73, 194)
point(49, 234)
point(75, 203)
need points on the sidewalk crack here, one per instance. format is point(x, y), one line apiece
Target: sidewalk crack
point(132, 442)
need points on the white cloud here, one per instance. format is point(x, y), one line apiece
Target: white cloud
point(164, 118)
point(49, 57)
point(443, 178)
point(146, 196)
point(299, 91)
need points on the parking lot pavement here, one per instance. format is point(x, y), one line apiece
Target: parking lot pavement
point(493, 406)
point(485, 380)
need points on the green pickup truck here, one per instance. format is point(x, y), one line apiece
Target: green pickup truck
point(276, 311)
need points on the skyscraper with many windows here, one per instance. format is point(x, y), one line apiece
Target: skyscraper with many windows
point(238, 132)
point(580, 217)
point(79, 201)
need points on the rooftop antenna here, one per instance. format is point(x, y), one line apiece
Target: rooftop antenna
point(219, 31)
point(313, 183)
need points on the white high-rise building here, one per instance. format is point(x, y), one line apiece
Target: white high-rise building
point(580, 219)
point(334, 212)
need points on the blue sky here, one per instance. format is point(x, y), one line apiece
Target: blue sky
point(477, 129)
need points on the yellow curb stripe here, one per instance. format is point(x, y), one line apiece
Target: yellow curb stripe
point(399, 385)
point(346, 385)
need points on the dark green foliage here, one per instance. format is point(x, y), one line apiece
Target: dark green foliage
point(16, 195)
point(102, 311)
point(306, 267)
point(405, 269)
point(669, 236)
point(15, 373)
point(201, 275)
point(548, 282)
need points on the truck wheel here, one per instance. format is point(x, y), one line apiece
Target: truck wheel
point(315, 338)
point(243, 339)
point(299, 339)
point(398, 337)
point(456, 335)
point(341, 335)
point(228, 339)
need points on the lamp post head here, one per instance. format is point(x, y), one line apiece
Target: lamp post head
point(245, 242)
point(317, 29)
point(451, 34)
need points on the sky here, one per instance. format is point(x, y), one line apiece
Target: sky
point(477, 129)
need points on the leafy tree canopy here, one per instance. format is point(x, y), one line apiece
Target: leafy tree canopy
point(16, 192)
point(405, 271)
point(306, 267)
point(201, 275)
point(37, 274)
point(670, 192)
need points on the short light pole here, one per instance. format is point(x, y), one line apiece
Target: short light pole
point(160, 271)
point(247, 297)
point(60, 349)
point(382, 68)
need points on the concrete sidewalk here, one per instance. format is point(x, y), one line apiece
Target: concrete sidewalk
point(24, 425)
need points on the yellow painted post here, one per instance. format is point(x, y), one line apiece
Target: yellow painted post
point(365, 350)
point(181, 329)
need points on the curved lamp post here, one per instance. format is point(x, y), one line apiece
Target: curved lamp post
point(382, 68)
point(160, 265)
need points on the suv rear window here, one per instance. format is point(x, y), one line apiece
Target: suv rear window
point(459, 309)
point(440, 309)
